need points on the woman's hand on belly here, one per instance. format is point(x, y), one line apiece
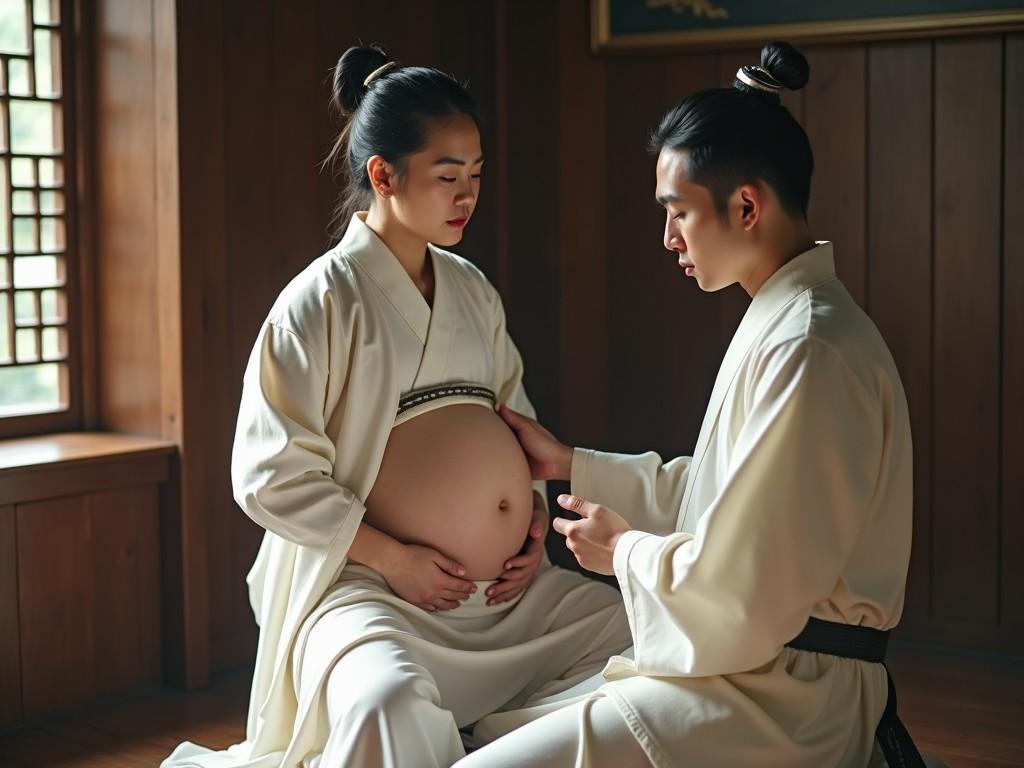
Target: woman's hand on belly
point(426, 578)
point(520, 570)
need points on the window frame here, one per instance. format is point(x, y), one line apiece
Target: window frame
point(77, 257)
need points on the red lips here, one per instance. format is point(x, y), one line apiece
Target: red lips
point(459, 223)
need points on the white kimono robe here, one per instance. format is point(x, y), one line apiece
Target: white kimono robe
point(345, 339)
point(796, 503)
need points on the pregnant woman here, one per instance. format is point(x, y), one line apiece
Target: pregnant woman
point(400, 592)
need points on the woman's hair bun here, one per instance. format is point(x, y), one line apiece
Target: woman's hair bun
point(354, 66)
point(786, 64)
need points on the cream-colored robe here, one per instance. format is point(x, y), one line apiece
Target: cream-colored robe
point(796, 503)
point(320, 395)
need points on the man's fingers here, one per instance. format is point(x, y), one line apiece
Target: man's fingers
point(562, 524)
point(445, 605)
point(513, 418)
point(454, 594)
point(581, 507)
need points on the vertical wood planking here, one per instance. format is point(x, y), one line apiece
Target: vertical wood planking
point(10, 651)
point(127, 298)
point(636, 257)
point(899, 175)
point(125, 579)
point(834, 118)
point(582, 232)
point(257, 147)
point(205, 177)
point(1012, 533)
point(532, 294)
point(56, 605)
point(968, 133)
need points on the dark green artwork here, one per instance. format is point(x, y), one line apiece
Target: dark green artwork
point(628, 23)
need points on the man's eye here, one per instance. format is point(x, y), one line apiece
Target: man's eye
point(448, 179)
point(680, 215)
point(476, 175)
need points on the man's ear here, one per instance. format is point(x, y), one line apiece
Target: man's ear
point(750, 198)
point(382, 176)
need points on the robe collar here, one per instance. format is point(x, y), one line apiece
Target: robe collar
point(364, 246)
point(801, 273)
point(434, 328)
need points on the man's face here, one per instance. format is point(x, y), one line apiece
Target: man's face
point(709, 247)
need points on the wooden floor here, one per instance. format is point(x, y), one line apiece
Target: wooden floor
point(968, 710)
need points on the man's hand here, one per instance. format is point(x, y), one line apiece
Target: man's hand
point(520, 570)
point(549, 458)
point(591, 539)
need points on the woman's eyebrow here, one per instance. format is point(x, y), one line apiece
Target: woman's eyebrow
point(455, 161)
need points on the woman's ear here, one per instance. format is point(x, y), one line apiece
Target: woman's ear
point(382, 176)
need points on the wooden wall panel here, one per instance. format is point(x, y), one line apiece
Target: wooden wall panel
point(899, 246)
point(531, 203)
point(57, 638)
point(10, 650)
point(968, 135)
point(636, 257)
point(620, 350)
point(1012, 512)
point(583, 224)
point(255, 242)
point(834, 118)
point(126, 581)
point(210, 383)
point(127, 301)
point(88, 597)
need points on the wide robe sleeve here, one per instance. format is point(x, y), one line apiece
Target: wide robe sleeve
point(643, 489)
point(800, 488)
point(282, 463)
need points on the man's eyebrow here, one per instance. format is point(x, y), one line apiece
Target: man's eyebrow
point(455, 161)
point(666, 199)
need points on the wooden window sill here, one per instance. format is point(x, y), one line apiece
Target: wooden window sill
point(48, 466)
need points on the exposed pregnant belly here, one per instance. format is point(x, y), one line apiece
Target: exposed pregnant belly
point(456, 480)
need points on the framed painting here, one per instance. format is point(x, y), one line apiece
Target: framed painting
point(624, 25)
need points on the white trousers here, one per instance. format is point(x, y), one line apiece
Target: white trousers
point(396, 684)
point(590, 733)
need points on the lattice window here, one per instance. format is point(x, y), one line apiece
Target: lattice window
point(35, 360)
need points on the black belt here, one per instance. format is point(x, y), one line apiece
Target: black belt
point(867, 644)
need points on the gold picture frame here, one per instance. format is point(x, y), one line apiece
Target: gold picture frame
point(605, 39)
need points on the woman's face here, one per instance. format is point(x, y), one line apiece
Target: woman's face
point(436, 195)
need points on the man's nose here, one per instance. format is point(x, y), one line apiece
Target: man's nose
point(673, 241)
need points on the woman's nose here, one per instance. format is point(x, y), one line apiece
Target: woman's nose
point(464, 197)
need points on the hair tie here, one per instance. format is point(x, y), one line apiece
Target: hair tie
point(759, 79)
point(378, 72)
